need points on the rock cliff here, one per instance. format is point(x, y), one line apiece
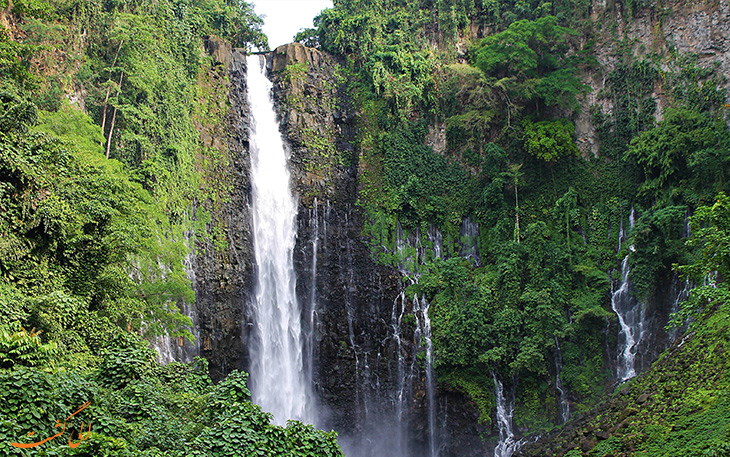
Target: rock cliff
point(223, 261)
point(661, 33)
point(365, 358)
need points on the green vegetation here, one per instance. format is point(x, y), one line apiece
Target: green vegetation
point(102, 108)
point(140, 408)
point(95, 212)
point(549, 211)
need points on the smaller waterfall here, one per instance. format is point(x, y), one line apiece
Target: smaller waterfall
point(629, 321)
point(312, 311)
point(469, 234)
point(436, 240)
point(682, 293)
point(424, 334)
point(505, 409)
point(630, 317)
point(171, 349)
point(401, 400)
point(564, 403)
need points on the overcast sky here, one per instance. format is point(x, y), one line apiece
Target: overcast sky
point(284, 18)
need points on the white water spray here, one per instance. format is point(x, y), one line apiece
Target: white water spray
point(505, 410)
point(564, 403)
point(278, 380)
point(424, 334)
point(630, 317)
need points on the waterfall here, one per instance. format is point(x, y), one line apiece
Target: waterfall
point(630, 317)
point(312, 311)
point(681, 293)
point(564, 403)
point(622, 304)
point(469, 234)
point(424, 334)
point(505, 410)
point(171, 349)
point(278, 379)
point(681, 290)
point(401, 399)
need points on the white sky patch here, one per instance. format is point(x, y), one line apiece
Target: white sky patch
point(284, 18)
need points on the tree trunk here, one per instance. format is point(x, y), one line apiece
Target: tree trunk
point(109, 91)
point(111, 131)
point(114, 118)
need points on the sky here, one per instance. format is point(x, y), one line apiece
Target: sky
point(284, 18)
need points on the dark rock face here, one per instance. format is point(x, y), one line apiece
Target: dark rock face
point(658, 309)
point(363, 349)
point(224, 266)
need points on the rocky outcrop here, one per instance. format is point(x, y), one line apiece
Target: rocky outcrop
point(669, 29)
point(363, 348)
point(223, 261)
point(318, 121)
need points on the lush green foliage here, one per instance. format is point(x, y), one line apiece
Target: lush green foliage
point(171, 410)
point(711, 242)
point(93, 214)
point(550, 214)
point(90, 248)
point(550, 140)
point(529, 58)
point(678, 408)
point(686, 147)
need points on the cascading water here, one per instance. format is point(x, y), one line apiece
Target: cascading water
point(312, 310)
point(424, 334)
point(469, 233)
point(682, 289)
point(564, 403)
point(505, 409)
point(278, 379)
point(171, 349)
point(629, 321)
point(630, 317)
point(401, 399)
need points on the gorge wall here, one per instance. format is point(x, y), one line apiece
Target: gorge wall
point(223, 261)
point(366, 365)
point(366, 359)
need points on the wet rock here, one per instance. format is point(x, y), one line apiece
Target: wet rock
point(587, 444)
point(223, 271)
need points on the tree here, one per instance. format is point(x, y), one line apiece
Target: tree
point(533, 54)
point(550, 140)
point(513, 176)
point(711, 268)
point(685, 145)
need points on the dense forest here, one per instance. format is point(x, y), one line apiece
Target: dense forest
point(556, 218)
point(486, 111)
point(100, 162)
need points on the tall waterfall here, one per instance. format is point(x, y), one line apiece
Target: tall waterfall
point(278, 379)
